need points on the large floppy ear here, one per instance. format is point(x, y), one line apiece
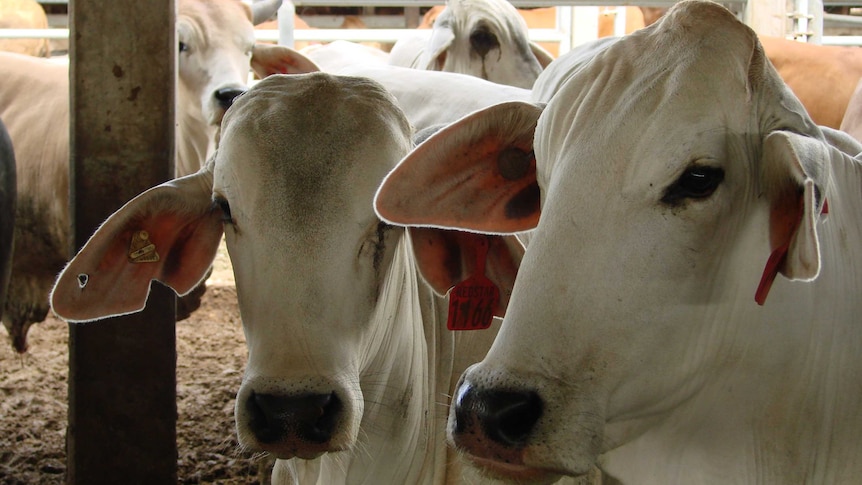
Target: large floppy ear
point(448, 257)
point(267, 59)
point(795, 178)
point(434, 55)
point(169, 233)
point(544, 57)
point(477, 174)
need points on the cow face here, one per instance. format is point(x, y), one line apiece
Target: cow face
point(215, 41)
point(664, 186)
point(486, 39)
point(309, 264)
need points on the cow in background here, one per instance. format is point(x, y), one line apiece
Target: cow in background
point(216, 47)
point(350, 363)
point(546, 18)
point(24, 14)
point(482, 38)
point(428, 98)
point(680, 182)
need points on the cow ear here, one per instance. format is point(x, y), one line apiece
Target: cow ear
point(434, 56)
point(169, 233)
point(544, 57)
point(795, 178)
point(267, 59)
point(446, 258)
point(477, 174)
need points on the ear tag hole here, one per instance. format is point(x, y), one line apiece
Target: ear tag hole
point(472, 301)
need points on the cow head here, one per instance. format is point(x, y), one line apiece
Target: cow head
point(216, 45)
point(327, 291)
point(668, 170)
point(486, 39)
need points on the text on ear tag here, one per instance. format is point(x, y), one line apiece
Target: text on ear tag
point(472, 301)
point(141, 250)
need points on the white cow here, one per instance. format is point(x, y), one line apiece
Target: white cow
point(676, 175)
point(215, 44)
point(350, 366)
point(482, 38)
point(428, 98)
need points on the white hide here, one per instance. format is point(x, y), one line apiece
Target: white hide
point(669, 169)
point(483, 38)
point(428, 98)
point(332, 302)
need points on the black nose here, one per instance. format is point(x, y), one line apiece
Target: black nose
point(225, 96)
point(504, 416)
point(309, 417)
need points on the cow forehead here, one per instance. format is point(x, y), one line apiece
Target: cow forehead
point(321, 142)
point(654, 91)
point(212, 20)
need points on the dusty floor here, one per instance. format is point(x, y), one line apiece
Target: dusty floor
point(211, 357)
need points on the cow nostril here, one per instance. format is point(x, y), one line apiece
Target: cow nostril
point(510, 416)
point(226, 96)
point(330, 408)
point(308, 417)
point(506, 417)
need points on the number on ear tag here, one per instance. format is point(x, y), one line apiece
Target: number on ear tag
point(472, 301)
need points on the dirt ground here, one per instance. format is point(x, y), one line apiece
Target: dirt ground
point(211, 356)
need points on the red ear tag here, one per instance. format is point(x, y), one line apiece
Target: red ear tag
point(769, 273)
point(472, 301)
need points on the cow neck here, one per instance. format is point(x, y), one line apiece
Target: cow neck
point(192, 139)
point(398, 442)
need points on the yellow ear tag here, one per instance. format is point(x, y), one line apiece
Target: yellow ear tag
point(141, 249)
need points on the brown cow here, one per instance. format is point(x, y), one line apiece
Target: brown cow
point(822, 77)
point(24, 14)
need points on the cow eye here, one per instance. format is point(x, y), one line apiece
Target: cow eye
point(697, 182)
point(222, 204)
point(184, 47)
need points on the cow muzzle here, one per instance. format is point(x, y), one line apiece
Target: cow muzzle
point(294, 425)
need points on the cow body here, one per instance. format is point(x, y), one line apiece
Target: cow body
point(482, 38)
point(822, 77)
point(24, 14)
point(349, 360)
point(428, 98)
point(676, 177)
point(34, 104)
point(8, 203)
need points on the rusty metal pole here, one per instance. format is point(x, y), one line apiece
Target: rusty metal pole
point(122, 371)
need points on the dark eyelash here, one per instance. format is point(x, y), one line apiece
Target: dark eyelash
point(697, 182)
point(222, 205)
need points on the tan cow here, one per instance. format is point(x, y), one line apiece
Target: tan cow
point(215, 47)
point(24, 14)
